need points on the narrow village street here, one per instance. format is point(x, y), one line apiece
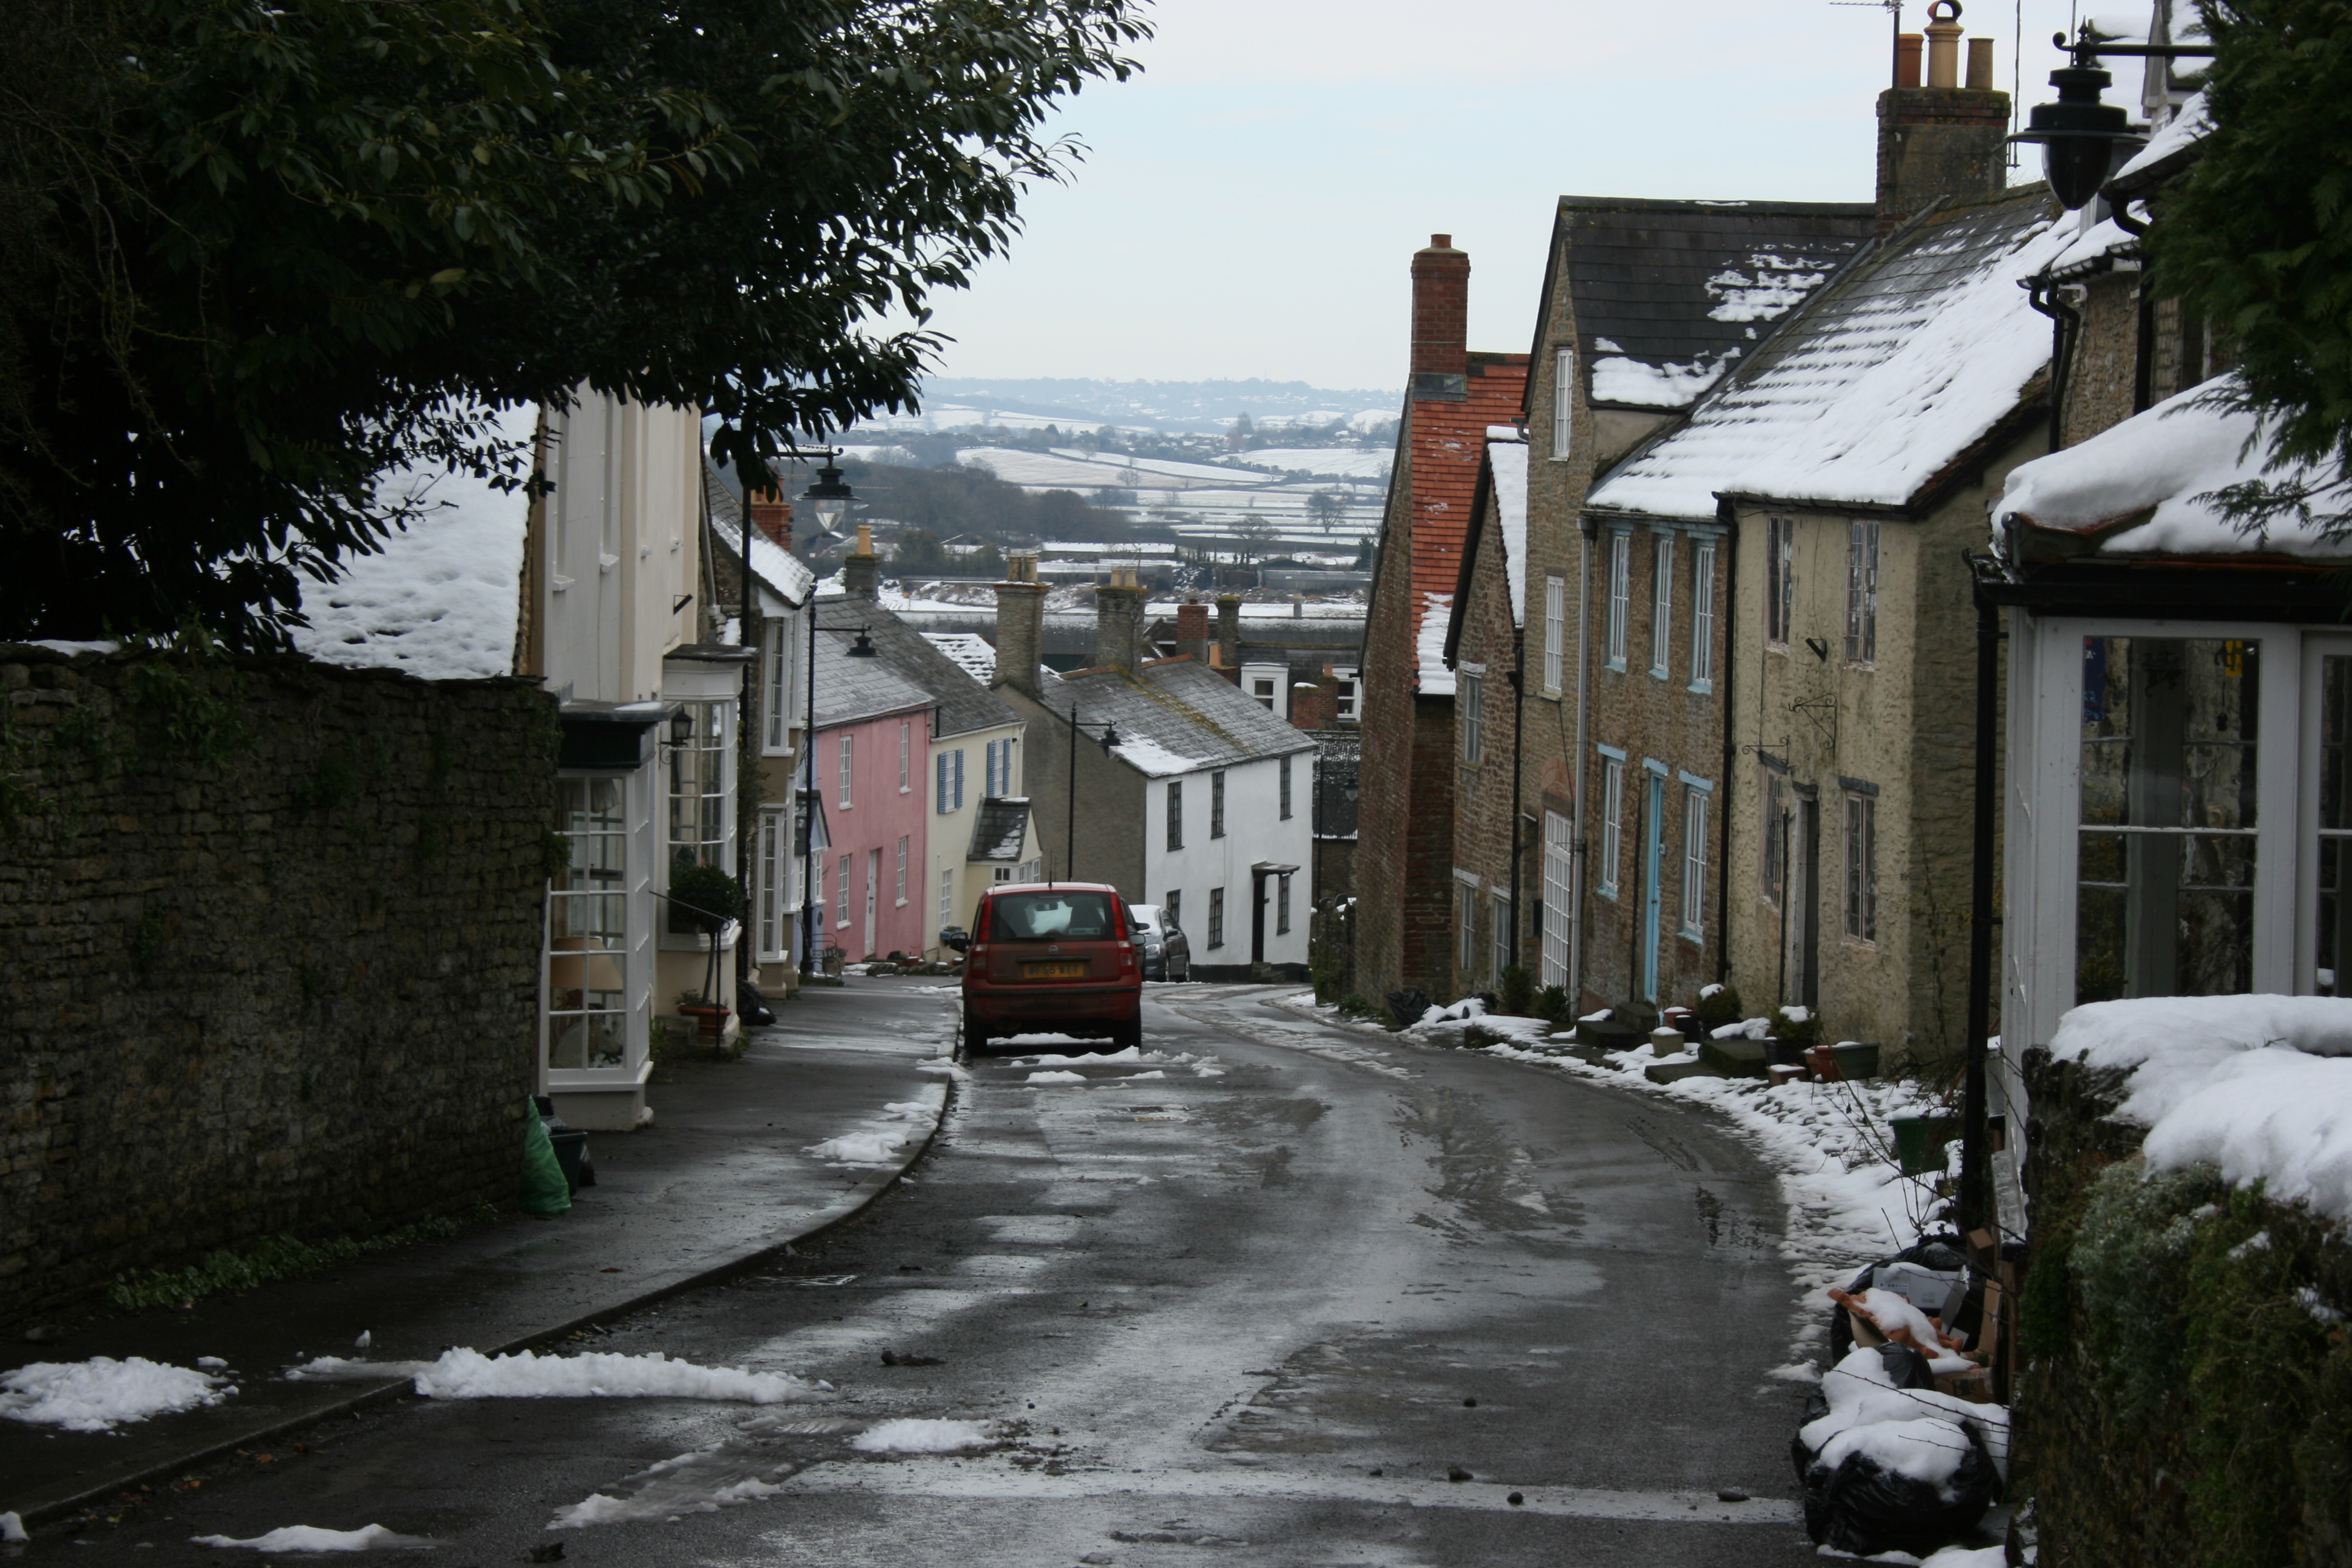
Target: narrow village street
point(1254, 1297)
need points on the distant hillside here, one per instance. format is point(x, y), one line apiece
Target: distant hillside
point(1160, 404)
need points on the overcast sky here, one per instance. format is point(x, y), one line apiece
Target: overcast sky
point(1249, 205)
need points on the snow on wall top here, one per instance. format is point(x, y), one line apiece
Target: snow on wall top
point(1429, 646)
point(2260, 1086)
point(1893, 375)
point(442, 599)
point(1509, 461)
point(2141, 485)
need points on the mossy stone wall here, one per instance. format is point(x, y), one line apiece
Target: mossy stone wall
point(2188, 1397)
point(269, 939)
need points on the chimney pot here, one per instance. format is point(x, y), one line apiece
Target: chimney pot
point(861, 574)
point(1981, 65)
point(1118, 623)
point(771, 514)
point(1943, 48)
point(1193, 630)
point(1907, 59)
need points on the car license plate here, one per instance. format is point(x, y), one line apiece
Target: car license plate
point(1058, 970)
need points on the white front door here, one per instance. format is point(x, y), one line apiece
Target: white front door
point(873, 883)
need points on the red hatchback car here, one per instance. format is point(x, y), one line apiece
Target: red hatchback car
point(1055, 957)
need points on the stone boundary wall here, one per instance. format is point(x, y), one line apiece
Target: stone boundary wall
point(2187, 1392)
point(268, 954)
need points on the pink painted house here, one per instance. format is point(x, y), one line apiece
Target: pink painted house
point(873, 748)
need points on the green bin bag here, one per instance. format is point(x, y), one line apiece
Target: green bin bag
point(544, 1190)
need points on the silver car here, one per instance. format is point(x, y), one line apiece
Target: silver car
point(1167, 954)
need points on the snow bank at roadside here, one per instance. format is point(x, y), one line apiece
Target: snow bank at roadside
point(101, 1394)
point(469, 1375)
point(310, 1538)
point(2259, 1086)
point(881, 1141)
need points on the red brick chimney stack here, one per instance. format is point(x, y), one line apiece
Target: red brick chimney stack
point(1441, 310)
point(1193, 630)
point(772, 515)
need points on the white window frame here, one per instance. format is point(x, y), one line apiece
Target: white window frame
point(1559, 895)
point(1216, 917)
point(841, 920)
point(624, 888)
point(1502, 927)
point(1465, 923)
point(947, 897)
point(1661, 602)
point(1473, 720)
point(1779, 581)
point(1698, 803)
point(1350, 694)
point(2042, 865)
point(899, 894)
point(1174, 814)
point(779, 869)
point(1563, 404)
point(1282, 768)
point(1620, 594)
point(776, 737)
point(906, 755)
point(1612, 819)
point(1282, 903)
point(1862, 592)
point(1217, 804)
point(1555, 643)
point(1858, 886)
point(1702, 646)
point(1774, 800)
point(848, 771)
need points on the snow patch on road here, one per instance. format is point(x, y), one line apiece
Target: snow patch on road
point(1056, 1077)
point(469, 1375)
point(911, 1435)
point(310, 1538)
point(101, 1394)
point(859, 1149)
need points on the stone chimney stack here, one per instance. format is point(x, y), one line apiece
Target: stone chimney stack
point(1441, 320)
point(861, 573)
point(1019, 625)
point(1193, 630)
point(771, 514)
point(1119, 621)
point(1943, 139)
point(1229, 631)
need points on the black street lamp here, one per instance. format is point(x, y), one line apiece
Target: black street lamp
point(2079, 134)
point(1109, 740)
point(831, 501)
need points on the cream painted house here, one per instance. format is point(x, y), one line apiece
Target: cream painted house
point(615, 609)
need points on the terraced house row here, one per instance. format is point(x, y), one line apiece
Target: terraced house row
point(1671, 671)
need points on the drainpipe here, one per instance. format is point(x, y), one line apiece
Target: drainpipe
point(1975, 1175)
point(1582, 861)
point(1722, 615)
point(1518, 782)
point(2064, 319)
point(747, 744)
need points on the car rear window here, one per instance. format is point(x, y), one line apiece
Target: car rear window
point(1050, 917)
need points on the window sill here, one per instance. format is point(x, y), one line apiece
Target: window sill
point(1701, 689)
point(1618, 665)
point(1692, 937)
point(1659, 672)
point(1861, 666)
point(1607, 893)
point(899, 904)
point(1549, 695)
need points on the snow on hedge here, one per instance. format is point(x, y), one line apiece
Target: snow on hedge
point(2259, 1086)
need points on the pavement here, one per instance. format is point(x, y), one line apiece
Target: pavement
point(717, 1185)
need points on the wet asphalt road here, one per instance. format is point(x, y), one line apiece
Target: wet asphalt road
point(1255, 1315)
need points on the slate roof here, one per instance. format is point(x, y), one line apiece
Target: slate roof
point(906, 672)
point(1880, 387)
point(1669, 293)
point(1175, 717)
point(785, 575)
point(1447, 443)
point(999, 829)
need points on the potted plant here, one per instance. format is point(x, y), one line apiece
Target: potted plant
point(710, 900)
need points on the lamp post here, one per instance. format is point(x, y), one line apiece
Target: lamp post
point(830, 499)
point(1110, 741)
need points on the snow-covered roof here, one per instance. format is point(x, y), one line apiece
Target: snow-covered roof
point(1429, 646)
point(785, 575)
point(442, 597)
point(2091, 247)
point(1175, 717)
point(2163, 152)
point(972, 653)
point(1000, 828)
point(2138, 487)
point(905, 661)
point(1669, 294)
point(1509, 461)
point(1888, 379)
point(2260, 1086)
